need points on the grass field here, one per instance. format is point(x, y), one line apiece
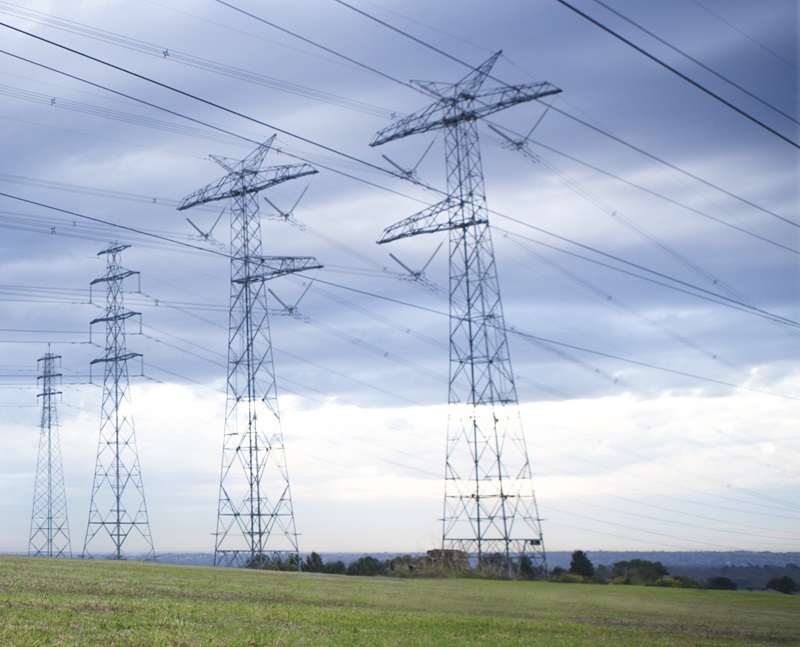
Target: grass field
point(75, 602)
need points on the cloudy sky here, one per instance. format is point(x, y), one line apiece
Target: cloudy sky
point(646, 241)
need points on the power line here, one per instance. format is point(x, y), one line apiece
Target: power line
point(704, 294)
point(531, 337)
point(770, 499)
point(536, 338)
point(746, 35)
point(141, 232)
point(666, 198)
point(403, 33)
point(204, 249)
point(662, 161)
point(60, 227)
point(610, 299)
point(223, 130)
point(193, 61)
point(616, 258)
point(315, 44)
point(585, 518)
point(195, 98)
point(598, 480)
point(340, 153)
point(553, 343)
point(88, 190)
point(569, 116)
point(699, 86)
point(696, 62)
point(121, 94)
point(97, 111)
point(444, 53)
point(548, 344)
point(521, 147)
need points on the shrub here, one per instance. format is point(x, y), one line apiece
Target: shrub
point(367, 565)
point(721, 583)
point(678, 582)
point(637, 571)
point(568, 578)
point(783, 584)
point(528, 571)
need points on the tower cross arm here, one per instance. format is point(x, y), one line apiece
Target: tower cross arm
point(427, 221)
point(245, 181)
point(497, 99)
point(419, 122)
point(270, 267)
point(116, 277)
point(450, 110)
point(116, 317)
point(116, 358)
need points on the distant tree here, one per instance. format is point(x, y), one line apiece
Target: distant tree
point(495, 565)
point(581, 564)
point(404, 565)
point(449, 560)
point(292, 563)
point(261, 562)
point(602, 572)
point(721, 583)
point(313, 563)
point(527, 570)
point(367, 565)
point(784, 584)
point(335, 568)
point(637, 571)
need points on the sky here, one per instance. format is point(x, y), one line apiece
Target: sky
point(646, 239)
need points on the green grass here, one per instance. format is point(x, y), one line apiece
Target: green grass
point(75, 602)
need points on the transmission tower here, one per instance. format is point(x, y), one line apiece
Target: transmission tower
point(118, 511)
point(49, 524)
point(490, 509)
point(255, 516)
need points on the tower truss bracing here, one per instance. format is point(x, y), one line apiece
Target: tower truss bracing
point(490, 508)
point(255, 516)
point(118, 512)
point(49, 522)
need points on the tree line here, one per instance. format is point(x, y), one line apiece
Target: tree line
point(643, 572)
point(451, 563)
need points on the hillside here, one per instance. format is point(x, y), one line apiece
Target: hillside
point(75, 602)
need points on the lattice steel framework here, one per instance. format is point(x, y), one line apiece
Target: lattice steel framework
point(490, 508)
point(255, 516)
point(49, 522)
point(118, 511)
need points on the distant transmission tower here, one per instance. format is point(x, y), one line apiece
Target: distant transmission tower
point(49, 524)
point(255, 517)
point(118, 512)
point(490, 509)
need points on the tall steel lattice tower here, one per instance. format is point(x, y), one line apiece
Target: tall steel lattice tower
point(490, 509)
point(49, 523)
point(255, 516)
point(118, 512)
